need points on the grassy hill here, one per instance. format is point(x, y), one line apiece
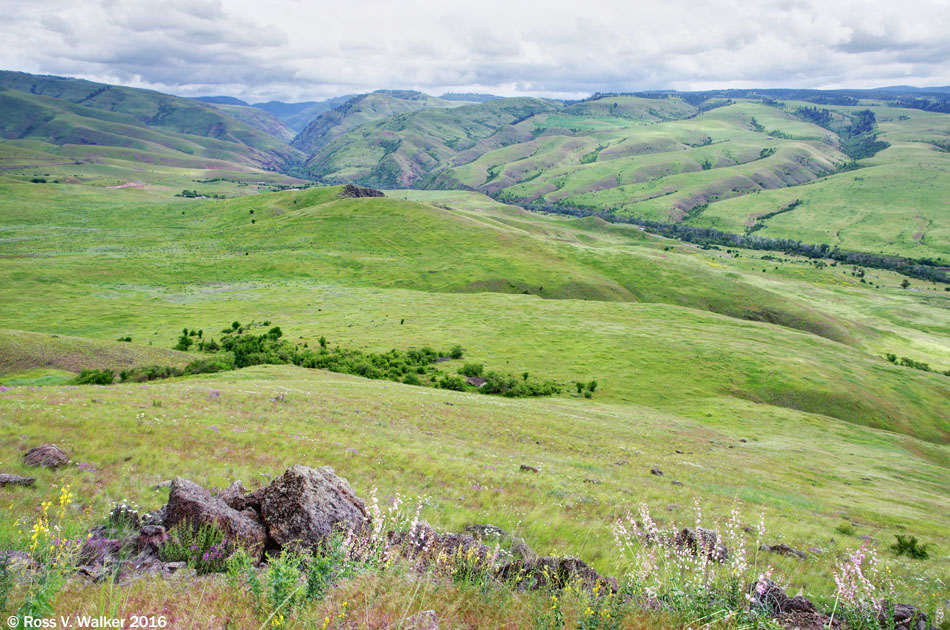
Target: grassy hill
point(25, 353)
point(402, 150)
point(155, 111)
point(361, 109)
point(281, 247)
point(258, 119)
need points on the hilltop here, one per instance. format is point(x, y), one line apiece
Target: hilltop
point(362, 109)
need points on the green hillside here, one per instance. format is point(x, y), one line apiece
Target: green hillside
point(623, 284)
point(362, 109)
point(23, 353)
point(401, 150)
point(144, 108)
point(258, 119)
point(738, 165)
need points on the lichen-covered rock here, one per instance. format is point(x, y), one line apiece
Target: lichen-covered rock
point(305, 505)
point(903, 616)
point(509, 544)
point(555, 572)
point(702, 540)
point(191, 504)
point(15, 480)
point(46, 455)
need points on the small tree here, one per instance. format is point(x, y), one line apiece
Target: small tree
point(905, 283)
point(184, 343)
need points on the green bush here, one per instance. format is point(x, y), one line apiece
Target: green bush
point(95, 377)
point(472, 369)
point(204, 548)
point(149, 373)
point(909, 546)
point(457, 352)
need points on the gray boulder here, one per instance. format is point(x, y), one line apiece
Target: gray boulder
point(305, 505)
point(46, 455)
point(191, 504)
point(15, 480)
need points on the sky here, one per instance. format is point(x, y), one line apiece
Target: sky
point(295, 50)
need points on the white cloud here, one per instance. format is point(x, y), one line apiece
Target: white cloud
point(291, 49)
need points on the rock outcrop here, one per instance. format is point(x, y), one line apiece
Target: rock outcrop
point(702, 540)
point(190, 503)
point(15, 480)
point(47, 456)
point(305, 505)
point(353, 192)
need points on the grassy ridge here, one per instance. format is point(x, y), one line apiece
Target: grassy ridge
point(72, 111)
point(22, 351)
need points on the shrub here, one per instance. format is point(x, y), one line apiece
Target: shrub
point(149, 373)
point(909, 546)
point(211, 365)
point(204, 548)
point(95, 377)
point(457, 352)
point(184, 343)
point(845, 529)
point(456, 383)
point(472, 369)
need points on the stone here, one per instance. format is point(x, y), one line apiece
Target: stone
point(233, 496)
point(47, 456)
point(509, 544)
point(784, 550)
point(354, 192)
point(189, 503)
point(677, 483)
point(527, 468)
point(554, 572)
point(706, 540)
point(151, 538)
point(15, 480)
point(904, 616)
point(305, 505)
point(656, 471)
point(771, 596)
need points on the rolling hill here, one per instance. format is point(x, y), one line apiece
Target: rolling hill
point(107, 104)
point(362, 109)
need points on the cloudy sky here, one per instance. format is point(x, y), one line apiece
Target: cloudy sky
point(303, 50)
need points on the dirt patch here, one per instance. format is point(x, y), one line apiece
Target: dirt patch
point(134, 184)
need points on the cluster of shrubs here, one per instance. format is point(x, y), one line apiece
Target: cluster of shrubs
point(911, 363)
point(239, 347)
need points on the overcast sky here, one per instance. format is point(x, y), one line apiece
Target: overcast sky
point(308, 50)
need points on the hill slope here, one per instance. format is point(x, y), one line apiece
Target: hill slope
point(154, 110)
point(362, 109)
